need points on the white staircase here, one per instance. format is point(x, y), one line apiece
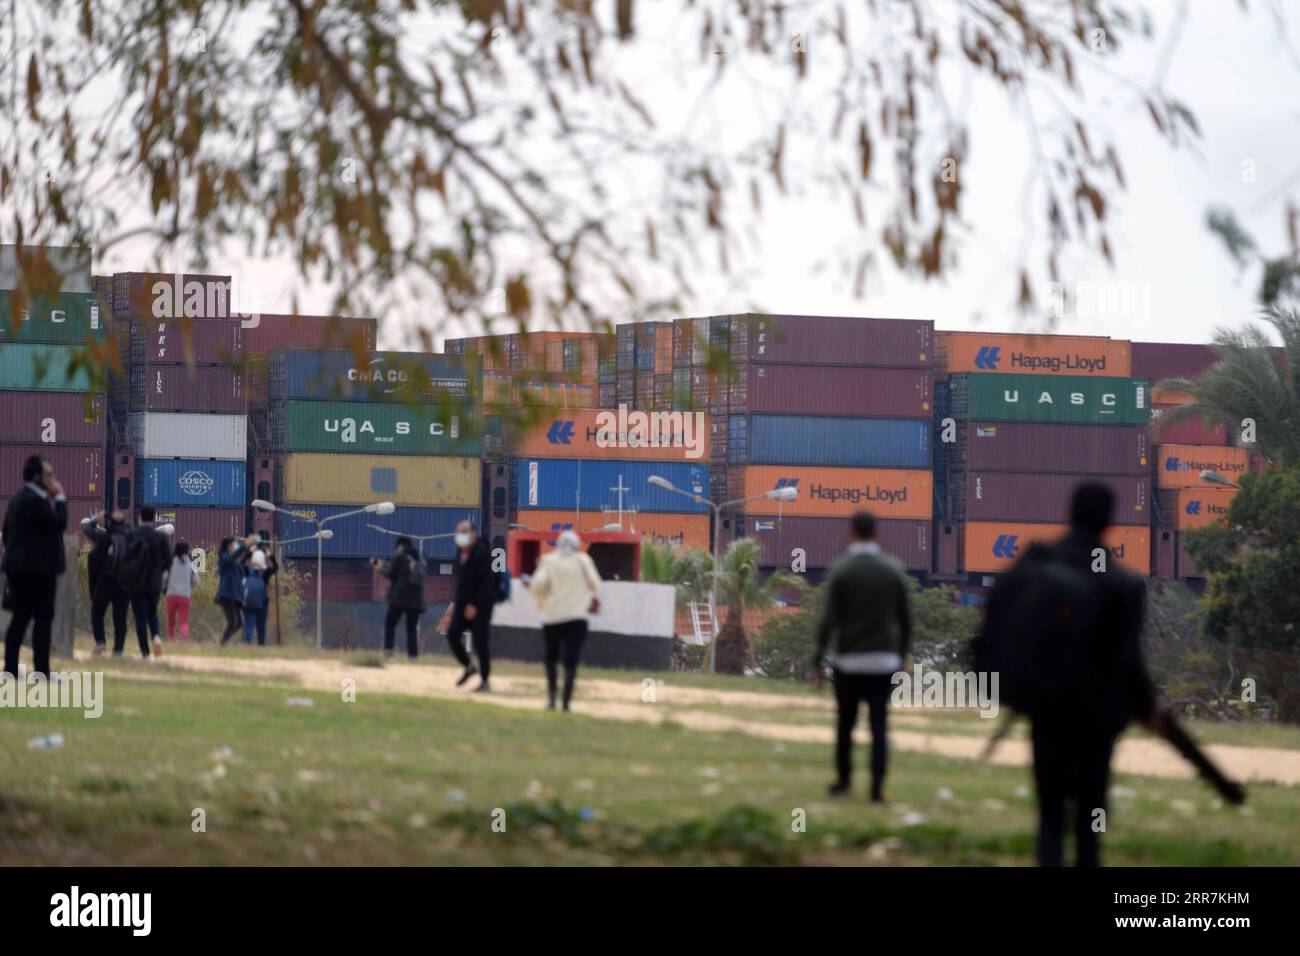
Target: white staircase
point(704, 623)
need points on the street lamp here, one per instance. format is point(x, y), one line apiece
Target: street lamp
point(1214, 478)
point(379, 508)
point(786, 493)
point(414, 537)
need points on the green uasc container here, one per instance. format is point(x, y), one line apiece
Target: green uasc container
point(69, 318)
point(372, 428)
point(1065, 399)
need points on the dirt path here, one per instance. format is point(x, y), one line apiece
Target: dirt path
point(622, 700)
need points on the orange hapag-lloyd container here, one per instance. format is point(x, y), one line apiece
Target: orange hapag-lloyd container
point(691, 531)
point(1180, 466)
point(1198, 507)
point(1038, 354)
point(839, 492)
point(624, 436)
point(994, 545)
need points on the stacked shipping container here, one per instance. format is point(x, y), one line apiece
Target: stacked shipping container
point(46, 406)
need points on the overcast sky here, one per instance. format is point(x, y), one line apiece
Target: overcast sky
point(1237, 71)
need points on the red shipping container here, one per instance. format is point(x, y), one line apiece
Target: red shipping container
point(80, 469)
point(1191, 431)
point(1161, 360)
point(1038, 498)
point(820, 542)
point(52, 418)
point(78, 508)
point(186, 341)
point(268, 331)
point(203, 527)
point(147, 295)
point(1074, 449)
point(831, 340)
point(181, 388)
point(836, 390)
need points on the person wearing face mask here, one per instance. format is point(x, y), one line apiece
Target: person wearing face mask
point(105, 589)
point(33, 560)
point(564, 589)
point(476, 593)
point(230, 584)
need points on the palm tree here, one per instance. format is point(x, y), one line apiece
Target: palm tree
point(740, 585)
point(1252, 381)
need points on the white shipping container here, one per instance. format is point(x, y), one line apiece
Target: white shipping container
point(188, 435)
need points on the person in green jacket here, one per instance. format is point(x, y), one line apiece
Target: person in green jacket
point(866, 626)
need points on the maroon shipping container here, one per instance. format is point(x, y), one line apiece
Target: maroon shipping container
point(1191, 431)
point(181, 388)
point(52, 418)
point(81, 469)
point(1186, 565)
point(1159, 360)
point(1011, 496)
point(203, 527)
point(831, 340)
point(186, 341)
point(834, 390)
point(823, 541)
point(147, 295)
point(1037, 447)
point(78, 508)
point(1164, 547)
point(269, 331)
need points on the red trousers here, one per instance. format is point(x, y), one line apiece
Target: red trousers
point(178, 607)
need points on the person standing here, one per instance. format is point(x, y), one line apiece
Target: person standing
point(105, 590)
point(867, 625)
point(33, 529)
point(476, 593)
point(564, 589)
point(256, 596)
point(230, 585)
point(141, 572)
point(1106, 686)
point(181, 581)
point(405, 573)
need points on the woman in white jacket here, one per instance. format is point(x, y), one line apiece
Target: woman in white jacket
point(564, 590)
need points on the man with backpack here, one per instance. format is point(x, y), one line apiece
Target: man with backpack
point(1062, 630)
point(140, 572)
point(478, 588)
point(405, 573)
point(256, 601)
point(868, 617)
point(33, 560)
point(107, 534)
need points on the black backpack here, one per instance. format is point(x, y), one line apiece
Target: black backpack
point(130, 561)
point(415, 572)
point(1038, 635)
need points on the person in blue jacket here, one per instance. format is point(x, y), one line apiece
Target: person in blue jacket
point(230, 588)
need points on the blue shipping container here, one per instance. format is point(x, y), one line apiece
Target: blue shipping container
point(353, 538)
point(191, 482)
point(832, 442)
point(595, 485)
point(337, 374)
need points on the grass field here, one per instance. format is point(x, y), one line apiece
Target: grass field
point(401, 779)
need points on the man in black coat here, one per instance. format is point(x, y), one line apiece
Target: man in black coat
point(105, 591)
point(405, 572)
point(476, 593)
point(1072, 746)
point(147, 590)
point(33, 543)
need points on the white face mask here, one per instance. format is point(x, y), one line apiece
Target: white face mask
point(464, 539)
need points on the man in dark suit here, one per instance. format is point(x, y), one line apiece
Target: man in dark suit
point(105, 591)
point(476, 593)
point(868, 618)
point(146, 591)
point(33, 560)
point(1072, 745)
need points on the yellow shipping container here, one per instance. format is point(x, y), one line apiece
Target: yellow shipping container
point(433, 481)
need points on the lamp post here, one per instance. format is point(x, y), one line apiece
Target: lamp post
point(788, 493)
point(1214, 478)
point(379, 508)
point(421, 538)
